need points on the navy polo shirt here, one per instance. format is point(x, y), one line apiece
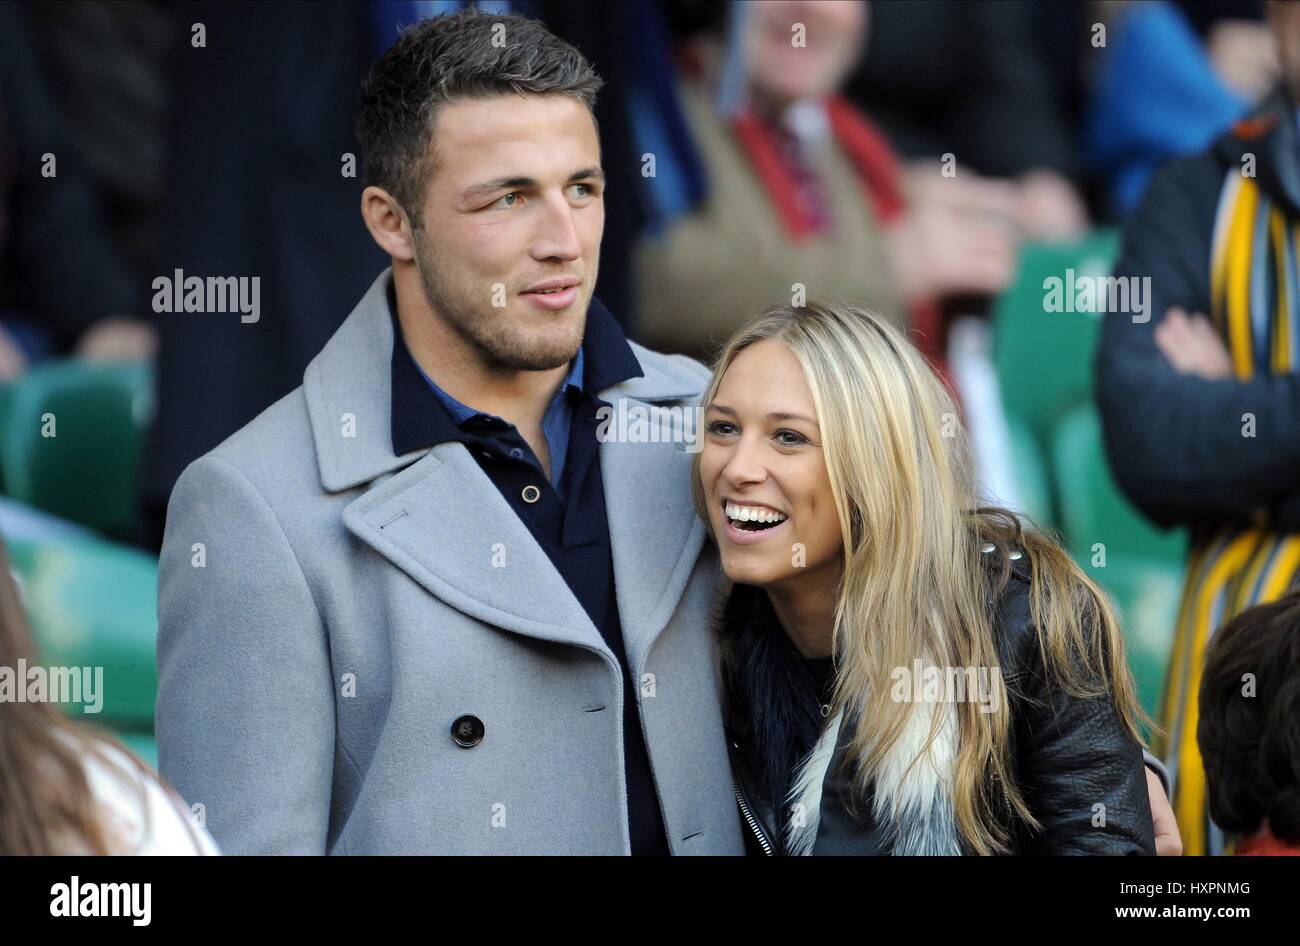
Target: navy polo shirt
point(567, 518)
point(555, 423)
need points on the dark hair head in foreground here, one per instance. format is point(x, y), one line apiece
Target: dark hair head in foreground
point(1249, 728)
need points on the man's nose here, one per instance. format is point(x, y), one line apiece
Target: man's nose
point(557, 236)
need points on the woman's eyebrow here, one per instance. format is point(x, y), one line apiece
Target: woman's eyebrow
point(787, 415)
point(774, 415)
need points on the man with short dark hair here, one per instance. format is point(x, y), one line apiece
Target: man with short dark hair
point(419, 604)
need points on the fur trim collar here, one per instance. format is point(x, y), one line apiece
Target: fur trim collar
point(911, 799)
point(774, 710)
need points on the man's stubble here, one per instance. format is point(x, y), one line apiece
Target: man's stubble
point(467, 309)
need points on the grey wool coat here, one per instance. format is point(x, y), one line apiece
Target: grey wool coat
point(327, 611)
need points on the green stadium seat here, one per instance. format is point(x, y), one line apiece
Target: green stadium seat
point(1093, 510)
point(1044, 359)
point(89, 470)
point(94, 604)
point(1139, 565)
point(1031, 474)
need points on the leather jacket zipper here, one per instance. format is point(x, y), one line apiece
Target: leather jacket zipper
point(749, 817)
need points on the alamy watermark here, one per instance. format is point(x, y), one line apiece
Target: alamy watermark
point(37, 684)
point(76, 899)
point(181, 293)
point(922, 684)
point(632, 422)
point(1080, 292)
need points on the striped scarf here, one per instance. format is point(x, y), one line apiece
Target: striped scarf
point(1255, 304)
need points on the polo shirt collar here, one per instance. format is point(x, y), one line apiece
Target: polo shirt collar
point(421, 419)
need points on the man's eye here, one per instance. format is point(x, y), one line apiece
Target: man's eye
point(589, 190)
point(506, 197)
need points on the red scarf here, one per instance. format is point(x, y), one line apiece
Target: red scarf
point(878, 175)
point(871, 156)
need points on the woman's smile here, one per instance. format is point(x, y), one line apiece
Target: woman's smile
point(746, 523)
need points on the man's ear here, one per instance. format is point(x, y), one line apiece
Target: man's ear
point(387, 223)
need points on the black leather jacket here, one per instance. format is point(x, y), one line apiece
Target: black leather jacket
point(1068, 756)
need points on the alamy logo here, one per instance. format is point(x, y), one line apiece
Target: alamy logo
point(1084, 293)
point(78, 899)
point(931, 684)
point(639, 423)
point(181, 293)
point(37, 684)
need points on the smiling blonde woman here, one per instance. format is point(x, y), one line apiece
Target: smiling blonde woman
point(908, 672)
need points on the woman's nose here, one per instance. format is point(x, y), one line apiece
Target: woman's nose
point(745, 465)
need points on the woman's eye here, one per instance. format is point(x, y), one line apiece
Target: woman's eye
point(789, 438)
point(720, 428)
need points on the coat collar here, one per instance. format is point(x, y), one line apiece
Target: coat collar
point(436, 515)
point(348, 387)
point(419, 420)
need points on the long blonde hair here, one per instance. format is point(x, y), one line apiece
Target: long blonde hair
point(913, 585)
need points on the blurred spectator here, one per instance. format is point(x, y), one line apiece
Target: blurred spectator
point(64, 789)
point(1198, 387)
point(64, 284)
point(107, 65)
point(801, 190)
point(950, 77)
point(1160, 90)
point(1249, 727)
point(259, 187)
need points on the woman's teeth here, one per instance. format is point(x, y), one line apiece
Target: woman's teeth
point(753, 518)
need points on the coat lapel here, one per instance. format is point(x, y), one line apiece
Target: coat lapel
point(444, 523)
point(437, 516)
point(655, 536)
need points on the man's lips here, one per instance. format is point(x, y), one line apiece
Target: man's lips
point(559, 282)
point(557, 299)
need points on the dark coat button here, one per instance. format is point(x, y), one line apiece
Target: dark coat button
point(467, 731)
